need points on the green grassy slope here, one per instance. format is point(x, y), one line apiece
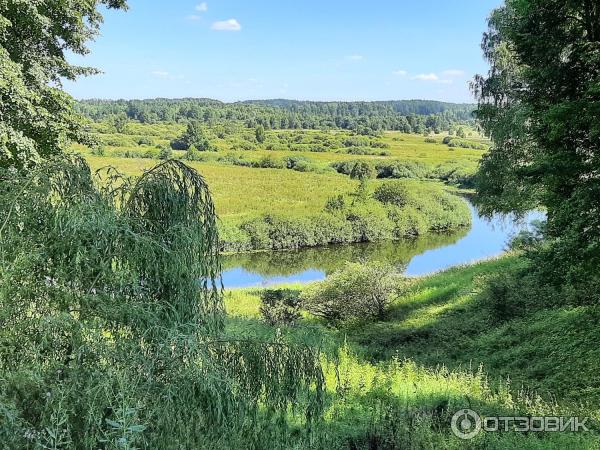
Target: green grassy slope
point(440, 349)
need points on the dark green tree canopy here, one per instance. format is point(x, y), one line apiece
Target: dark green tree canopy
point(540, 103)
point(36, 117)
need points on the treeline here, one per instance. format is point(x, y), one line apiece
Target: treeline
point(409, 116)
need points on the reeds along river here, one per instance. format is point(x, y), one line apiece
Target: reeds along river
point(421, 256)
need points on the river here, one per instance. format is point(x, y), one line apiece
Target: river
point(414, 257)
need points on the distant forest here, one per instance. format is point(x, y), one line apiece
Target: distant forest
point(409, 116)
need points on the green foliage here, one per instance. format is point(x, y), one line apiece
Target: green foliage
point(360, 118)
point(194, 136)
point(358, 291)
point(361, 171)
point(394, 193)
point(36, 118)
point(165, 153)
point(280, 306)
point(539, 104)
point(119, 122)
point(397, 210)
point(112, 317)
point(260, 134)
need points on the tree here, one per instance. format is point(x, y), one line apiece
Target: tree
point(540, 104)
point(120, 122)
point(193, 136)
point(36, 116)
point(362, 172)
point(260, 134)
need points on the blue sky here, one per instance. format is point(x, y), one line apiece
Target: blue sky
point(308, 50)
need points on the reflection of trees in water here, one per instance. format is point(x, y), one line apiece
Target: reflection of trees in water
point(328, 259)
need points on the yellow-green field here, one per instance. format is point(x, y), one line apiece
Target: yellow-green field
point(396, 145)
point(243, 192)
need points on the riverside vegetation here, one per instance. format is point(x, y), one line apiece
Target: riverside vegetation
point(318, 199)
point(116, 334)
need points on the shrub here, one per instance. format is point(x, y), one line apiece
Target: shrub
point(165, 153)
point(193, 154)
point(280, 306)
point(268, 162)
point(370, 222)
point(401, 169)
point(394, 193)
point(145, 141)
point(430, 140)
point(361, 171)
point(336, 203)
point(299, 163)
point(354, 292)
point(502, 294)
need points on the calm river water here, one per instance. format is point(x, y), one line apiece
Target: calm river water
point(414, 257)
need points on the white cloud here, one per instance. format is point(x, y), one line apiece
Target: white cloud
point(453, 73)
point(426, 77)
point(401, 73)
point(202, 7)
point(355, 57)
point(193, 17)
point(226, 25)
point(164, 75)
point(161, 74)
point(444, 81)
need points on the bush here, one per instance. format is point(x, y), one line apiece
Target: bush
point(431, 140)
point(298, 163)
point(354, 292)
point(165, 153)
point(280, 306)
point(401, 169)
point(394, 193)
point(268, 162)
point(502, 295)
point(145, 141)
point(335, 204)
point(193, 154)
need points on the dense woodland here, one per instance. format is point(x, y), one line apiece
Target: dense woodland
point(410, 116)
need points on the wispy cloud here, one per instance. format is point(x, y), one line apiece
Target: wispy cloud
point(161, 74)
point(164, 75)
point(226, 25)
point(200, 8)
point(426, 77)
point(401, 73)
point(355, 57)
point(453, 73)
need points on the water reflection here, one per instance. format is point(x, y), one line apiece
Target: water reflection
point(420, 256)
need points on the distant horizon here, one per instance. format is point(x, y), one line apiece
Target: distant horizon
point(273, 99)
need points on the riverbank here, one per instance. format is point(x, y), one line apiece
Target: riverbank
point(443, 346)
point(420, 256)
point(383, 211)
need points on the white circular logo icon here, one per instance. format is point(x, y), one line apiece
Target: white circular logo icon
point(466, 424)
